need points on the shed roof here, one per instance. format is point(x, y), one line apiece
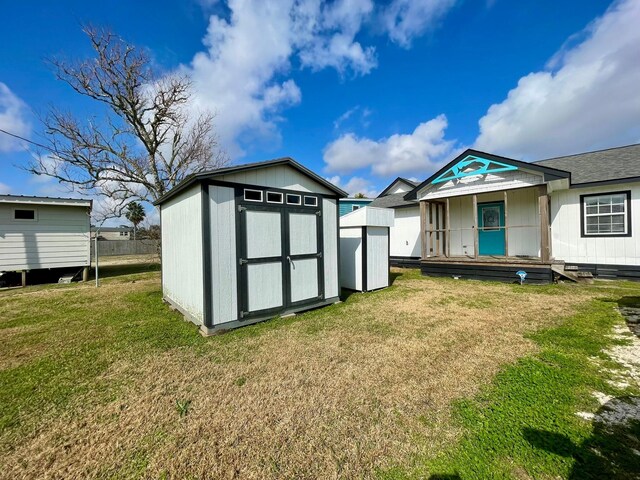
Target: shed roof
point(395, 200)
point(368, 217)
point(196, 177)
point(410, 183)
point(33, 200)
point(609, 165)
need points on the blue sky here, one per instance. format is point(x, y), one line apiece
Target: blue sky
point(359, 91)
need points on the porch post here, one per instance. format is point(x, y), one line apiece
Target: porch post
point(475, 226)
point(423, 229)
point(448, 230)
point(543, 206)
point(506, 222)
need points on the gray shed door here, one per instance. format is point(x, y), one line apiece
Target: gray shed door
point(281, 258)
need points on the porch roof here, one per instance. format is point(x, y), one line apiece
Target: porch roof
point(549, 173)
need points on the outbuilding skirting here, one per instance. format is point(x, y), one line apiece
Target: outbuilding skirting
point(536, 273)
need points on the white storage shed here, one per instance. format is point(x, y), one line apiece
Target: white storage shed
point(364, 248)
point(44, 233)
point(250, 242)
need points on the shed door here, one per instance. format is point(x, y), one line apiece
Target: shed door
point(262, 262)
point(304, 255)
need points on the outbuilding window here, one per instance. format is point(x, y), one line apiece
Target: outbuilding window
point(252, 195)
point(293, 199)
point(24, 214)
point(355, 207)
point(606, 215)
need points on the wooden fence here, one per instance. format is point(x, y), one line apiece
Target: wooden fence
point(108, 248)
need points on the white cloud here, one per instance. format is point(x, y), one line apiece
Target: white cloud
point(13, 119)
point(4, 189)
point(244, 72)
point(417, 152)
point(586, 98)
point(406, 19)
point(355, 185)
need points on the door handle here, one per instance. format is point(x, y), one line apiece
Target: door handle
point(289, 258)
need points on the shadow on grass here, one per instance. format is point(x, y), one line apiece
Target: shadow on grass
point(110, 271)
point(612, 449)
point(629, 307)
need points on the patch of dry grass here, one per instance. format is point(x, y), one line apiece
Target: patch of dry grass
point(338, 392)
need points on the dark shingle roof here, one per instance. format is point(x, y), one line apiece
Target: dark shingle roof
point(600, 166)
point(395, 200)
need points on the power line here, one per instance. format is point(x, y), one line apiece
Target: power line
point(26, 140)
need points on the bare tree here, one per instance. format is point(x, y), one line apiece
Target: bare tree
point(145, 143)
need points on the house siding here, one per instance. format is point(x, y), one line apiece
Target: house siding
point(58, 238)
point(567, 242)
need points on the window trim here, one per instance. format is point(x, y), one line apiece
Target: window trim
point(261, 192)
point(355, 207)
point(583, 226)
point(299, 203)
point(275, 193)
point(314, 198)
point(28, 220)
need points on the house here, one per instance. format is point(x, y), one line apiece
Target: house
point(486, 216)
point(364, 249)
point(250, 242)
point(44, 233)
point(348, 205)
point(405, 232)
point(112, 233)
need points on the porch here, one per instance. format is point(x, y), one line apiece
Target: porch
point(488, 236)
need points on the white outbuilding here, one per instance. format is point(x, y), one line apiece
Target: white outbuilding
point(364, 248)
point(44, 233)
point(247, 243)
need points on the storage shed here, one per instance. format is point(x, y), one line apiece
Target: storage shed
point(250, 242)
point(44, 233)
point(364, 248)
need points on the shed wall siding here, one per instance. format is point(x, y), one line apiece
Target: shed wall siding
point(330, 234)
point(481, 184)
point(58, 238)
point(377, 258)
point(351, 258)
point(182, 281)
point(223, 255)
point(405, 233)
point(279, 176)
point(567, 243)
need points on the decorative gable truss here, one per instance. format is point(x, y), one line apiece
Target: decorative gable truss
point(472, 165)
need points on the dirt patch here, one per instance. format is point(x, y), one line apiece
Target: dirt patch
point(337, 393)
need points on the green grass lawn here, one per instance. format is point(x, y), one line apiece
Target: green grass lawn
point(427, 379)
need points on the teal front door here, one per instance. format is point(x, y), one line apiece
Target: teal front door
point(491, 228)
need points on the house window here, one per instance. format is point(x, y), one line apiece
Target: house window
point(311, 201)
point(354, 207)
point(274, 197)
point(24, 214)
point(293, 199)
point(252, 195)
point(606, 215)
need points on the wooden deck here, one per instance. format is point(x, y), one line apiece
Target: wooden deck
point(502, 269)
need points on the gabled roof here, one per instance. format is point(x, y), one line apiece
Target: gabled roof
point(58, 201)
point(503, 163)
point(411, 184)
point(395, 200)
point(613, 165)
point(197, 177)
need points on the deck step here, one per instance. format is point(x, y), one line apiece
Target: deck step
point(572, 275)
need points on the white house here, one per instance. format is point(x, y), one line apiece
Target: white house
point(488, 217)
point(250, 242)
point(44, 233)
point(405, 232)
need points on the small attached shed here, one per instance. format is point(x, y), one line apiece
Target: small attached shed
point(364, 248)
point(248, 243)
point(44, 233)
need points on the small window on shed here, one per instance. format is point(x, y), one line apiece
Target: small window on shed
point(293, 199)
point(274, 197)
point(24, 214)
point(252, 195)
point(311, 201)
